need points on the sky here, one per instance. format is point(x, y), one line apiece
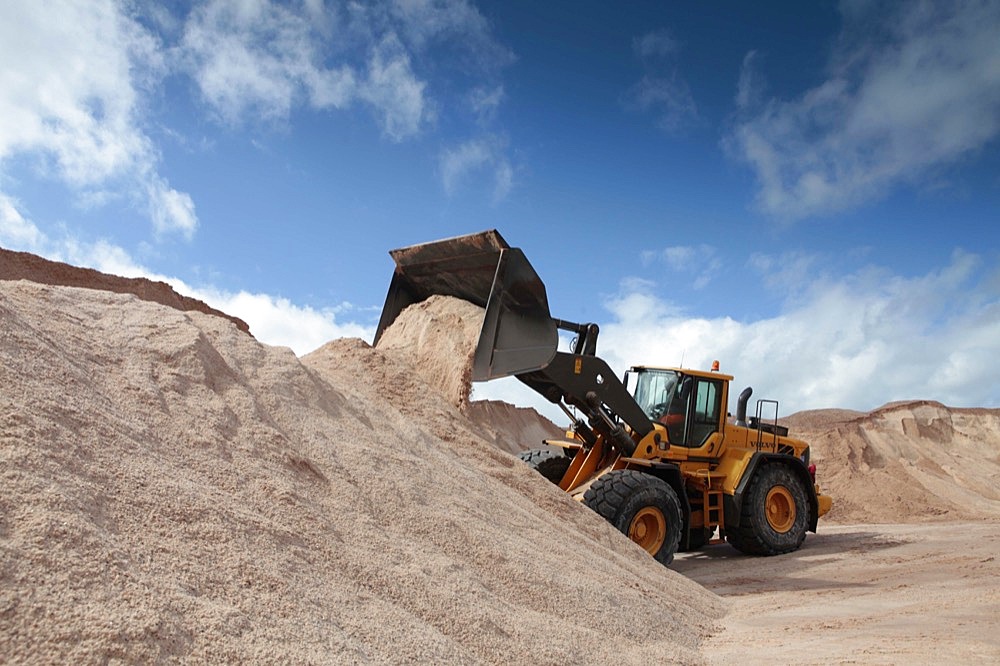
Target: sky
point(807, 192)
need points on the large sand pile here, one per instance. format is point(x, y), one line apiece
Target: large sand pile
point(173, 489)
point(906, 462)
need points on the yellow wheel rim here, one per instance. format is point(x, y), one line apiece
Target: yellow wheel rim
point(780, 509)
point(649, 529)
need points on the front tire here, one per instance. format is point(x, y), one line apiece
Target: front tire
point(640, 506)
point(547, 462)
point(775, 513)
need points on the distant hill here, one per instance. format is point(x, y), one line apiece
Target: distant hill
point(514, 429)
point(905, 461)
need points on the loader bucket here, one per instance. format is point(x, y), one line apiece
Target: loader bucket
point(518, 334)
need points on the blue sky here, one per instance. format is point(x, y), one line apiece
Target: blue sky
point(808, 192)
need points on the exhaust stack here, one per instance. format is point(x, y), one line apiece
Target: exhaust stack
point(741, 406)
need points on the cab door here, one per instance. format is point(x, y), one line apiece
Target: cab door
point(703, 417)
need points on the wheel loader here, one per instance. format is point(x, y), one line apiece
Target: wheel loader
point(655, 452)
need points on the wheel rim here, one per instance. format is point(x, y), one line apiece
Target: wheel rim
point(649, 529)
point(780, 509)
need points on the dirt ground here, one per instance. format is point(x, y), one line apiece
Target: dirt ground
point(859, 594)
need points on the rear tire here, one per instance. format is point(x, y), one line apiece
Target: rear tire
point(640, 506)
point(775, 513)
point(550, 464)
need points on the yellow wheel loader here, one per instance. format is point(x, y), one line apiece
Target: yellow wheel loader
point(654, 453)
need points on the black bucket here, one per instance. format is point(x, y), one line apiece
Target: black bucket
point(518, 333)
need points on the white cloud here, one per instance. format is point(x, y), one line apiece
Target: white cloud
point(261, 57)
point(503, 179)
point(72, 76)
point(422, 22)
point(458, 161)
point(484, 102)
point(668, 97)
point(171, 210)
point(394, 91)
point(662, 90)
point(925, 95)
point(427, 19)
point(15, 231)
point(790, 272)
point(277, 321)
point(65, 87)
point(488, 155)
point(750, 87)
point(699, 263)
point(77, 78)
point(655, 44)
point(854, 341)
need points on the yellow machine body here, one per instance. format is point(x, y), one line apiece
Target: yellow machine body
point(713, 465)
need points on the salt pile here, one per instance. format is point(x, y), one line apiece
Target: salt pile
point(175, 490)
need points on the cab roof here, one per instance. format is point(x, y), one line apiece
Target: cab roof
point(711, 374)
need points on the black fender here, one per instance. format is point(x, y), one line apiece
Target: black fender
point(733, 504)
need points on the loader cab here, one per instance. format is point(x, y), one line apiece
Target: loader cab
point(689, 403)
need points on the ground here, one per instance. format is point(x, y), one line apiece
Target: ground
point(859, 594)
